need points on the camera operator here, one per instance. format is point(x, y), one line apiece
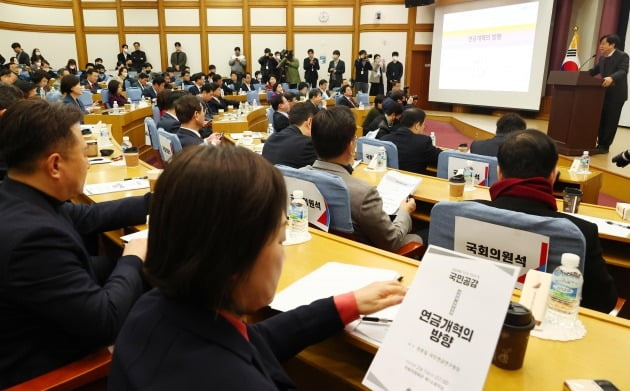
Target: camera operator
point(376, 76)
point(362, 67)
point(290, 65)
point(268, 65)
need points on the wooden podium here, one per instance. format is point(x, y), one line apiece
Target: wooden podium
point(577, 101)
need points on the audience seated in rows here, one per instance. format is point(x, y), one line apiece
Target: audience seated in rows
point(315, 100)
point(415, 150)
point(59, 302)
point(507, 124)
point(527, 170)
point(346, 98)
point(72, 90)
point(91, 81)
point(217, 102)
point(386, 122)
point(374, 112)
point(293, 146)
point(157, 85)
point(333, 134)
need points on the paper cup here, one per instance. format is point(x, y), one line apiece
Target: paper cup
point(153, 176)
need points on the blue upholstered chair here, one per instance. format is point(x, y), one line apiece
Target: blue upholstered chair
point(390, 149)
point(169, 145)
point(443, 159)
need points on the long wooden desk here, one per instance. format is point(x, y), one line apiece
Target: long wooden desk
point(602, 354)
point(255, 120)
point(433, 190)
point(127, 123)
point(341, 361)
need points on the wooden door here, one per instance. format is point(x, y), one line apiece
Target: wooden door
point(419, 80)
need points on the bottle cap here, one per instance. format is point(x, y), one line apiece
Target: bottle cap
point(585, 152)
point(125, 138)
point(468, 163)
point(570, 260)
point(298, 194)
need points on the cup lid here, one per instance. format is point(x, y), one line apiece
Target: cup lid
point(572, 190)
point(457, 179)
point(518, 315)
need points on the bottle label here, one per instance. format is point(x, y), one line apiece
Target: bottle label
point(562, 292)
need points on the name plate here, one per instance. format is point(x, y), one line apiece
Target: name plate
point(318, 213)
point(446, 330)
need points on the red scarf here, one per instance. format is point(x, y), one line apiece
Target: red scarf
point(537, 189)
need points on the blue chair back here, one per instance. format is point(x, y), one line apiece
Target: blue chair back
point(53, 96)
point(285, 86)
point(105, 97)
point(334, 191)
point(151, 128)
point(269, 93)
point(156, 114)
point(390, 149)
point(169, 145)
point(134, 93)
point(443, 159)
point(188, 87)
point(269, 113)
point(363, 98)
point(24, 75)
point(295, 92)
point(86, 98)
point(564, 236)
point(251, 95)
point(179, 82)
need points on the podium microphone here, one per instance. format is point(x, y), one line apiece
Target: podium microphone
point(587, 61)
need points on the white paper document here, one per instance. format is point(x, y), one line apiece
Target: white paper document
point(136, 235)
point(111, 187)
point(447, 327)
point(394, 188)
point(607, 227)
point(332, 278)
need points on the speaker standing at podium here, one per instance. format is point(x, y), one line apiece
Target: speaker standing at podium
point(613, 67)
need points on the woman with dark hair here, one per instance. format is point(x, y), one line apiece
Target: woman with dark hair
point(215, 255)
point(115, 94)
point(271, 83)
point(123, 74)
point(71, 66)
point(37, 58)
point(71, 88)
point(161, 100)
point(375, 111)
point(277, 89)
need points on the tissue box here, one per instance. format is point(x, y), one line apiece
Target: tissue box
point(624, 210)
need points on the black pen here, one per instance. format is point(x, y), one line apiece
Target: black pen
point(399, 279)
point(617, 224)
point(374, 319)
point(138, 177)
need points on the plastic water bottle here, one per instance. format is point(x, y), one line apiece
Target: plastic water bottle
point(585, 163)
point(469, 176)
point(269, 130)
point(298, 215)
point(433, 138)
point(103, 139)
point(115, 107)
point(255, 104)
point(361, 106)
point(381, 162)
point(125, 144)
point(565, 292)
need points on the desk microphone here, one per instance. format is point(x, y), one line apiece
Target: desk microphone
point(587, 61)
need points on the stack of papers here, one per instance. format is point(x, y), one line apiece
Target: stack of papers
point(111, 187)
point(619, 229)
point(136, 235)
point(396, 187)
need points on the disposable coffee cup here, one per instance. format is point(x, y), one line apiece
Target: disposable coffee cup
point(153, 176)
point(247, 138)
point(571, 198)
point(230, 107)
point(127, 107)
point(132, 157)
point(92, 148)
point(463, 148)
point(512, 344)
point(456, 185)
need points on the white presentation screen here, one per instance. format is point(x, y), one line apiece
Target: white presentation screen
point(490, 53)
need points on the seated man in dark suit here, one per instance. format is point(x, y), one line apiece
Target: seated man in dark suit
point(156, 86)
point(346, 98)
point(386, 122)
point(91, 81)
point(217, 102)
point(58, 303)
point(507, 124)
point(225, 90)
point(315, 100)
point(415, 150)
point(527, 171)
point(192, 114)
point(198, 80)
point(333, 133)
point(281, 107)
point(293, 146)
point(246, 84)
point(169, 120)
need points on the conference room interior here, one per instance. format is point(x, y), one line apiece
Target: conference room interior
point(209, 32)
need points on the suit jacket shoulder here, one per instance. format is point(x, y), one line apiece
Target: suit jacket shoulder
point(415, 151)
point(188, 138)
point(488, 147)
point(290, 148)
point(280, 121)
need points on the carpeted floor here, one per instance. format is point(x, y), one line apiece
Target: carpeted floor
point(446, 135)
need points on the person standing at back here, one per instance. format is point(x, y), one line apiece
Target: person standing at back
point(20, 54)
point(394, 71)
point(336, 69)
point(178, 58)
point(124, 55)
point(362, 68)
point(238, 63)
point(311, 66)
point(507, 124)
point(138, 57)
